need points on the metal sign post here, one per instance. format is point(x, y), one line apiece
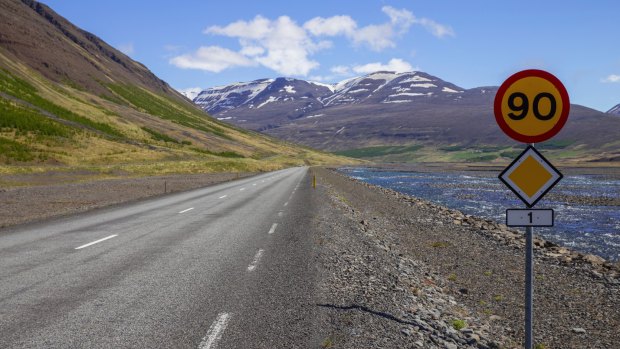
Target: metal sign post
point(529, 288)
point(531, 106)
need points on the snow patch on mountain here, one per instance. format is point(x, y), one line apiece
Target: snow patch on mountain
point(269, 100)
point(190, 92)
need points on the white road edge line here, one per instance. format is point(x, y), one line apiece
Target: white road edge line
point(95, 242)
point(223, 196)
point(273, 228)
point(189, 209)
point(252, 265)
point(242, 189)
point(215, 332)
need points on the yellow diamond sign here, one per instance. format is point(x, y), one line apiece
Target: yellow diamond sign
point(530, 176)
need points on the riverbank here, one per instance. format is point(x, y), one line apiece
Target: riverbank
point(404, 272)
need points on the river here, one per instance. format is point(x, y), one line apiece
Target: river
point(588, 228)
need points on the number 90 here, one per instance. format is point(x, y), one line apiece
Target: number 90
point(520, 105)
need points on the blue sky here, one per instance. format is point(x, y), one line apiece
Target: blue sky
point(469, 43)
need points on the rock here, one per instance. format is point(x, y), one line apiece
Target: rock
point(473, 339)
point(451, 346)
point(463, 291)
point(406, 331)
point(578, 330)
point(467, 331)
point(596, 260)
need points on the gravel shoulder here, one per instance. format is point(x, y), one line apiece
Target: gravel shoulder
point(400, 272)
point(20, 205)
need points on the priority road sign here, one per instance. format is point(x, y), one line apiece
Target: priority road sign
point(519, 217)
point(531, 106)
point(530, 176)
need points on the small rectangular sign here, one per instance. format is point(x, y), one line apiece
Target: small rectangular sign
point(529, 218)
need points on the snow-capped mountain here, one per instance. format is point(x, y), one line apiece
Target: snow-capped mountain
point(615, 110)
point(258, 93)
point(191, 92)
point(375, 109)
point(379, 87)
point(388, 87)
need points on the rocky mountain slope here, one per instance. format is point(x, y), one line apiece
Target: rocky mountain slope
point(388, 113)
point(615, 110)
point(70, 100)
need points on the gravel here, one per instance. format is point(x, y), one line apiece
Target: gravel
point(400, 272)
point(26, 204)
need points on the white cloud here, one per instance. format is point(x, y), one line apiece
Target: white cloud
point(341, 70)
point(332, 26)
point(439, 30)
point(400, 19)
point(255, 29)
point(395, 65)
point(287, 48)
point(280, 45)
point(611, 78)
point(250, 50)
point(127, 48)
point(211, 58)
point(376, 36)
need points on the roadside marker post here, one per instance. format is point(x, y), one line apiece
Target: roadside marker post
point(531, 106)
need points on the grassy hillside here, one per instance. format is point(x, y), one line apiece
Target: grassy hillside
point(562, 151)
point(122, 121)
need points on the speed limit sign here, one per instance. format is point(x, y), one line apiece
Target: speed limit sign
point(531, 106)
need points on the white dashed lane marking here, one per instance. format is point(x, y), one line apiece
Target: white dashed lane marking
point(96, 242)
point(254, 263)
point(273, 228)
point(213, 336)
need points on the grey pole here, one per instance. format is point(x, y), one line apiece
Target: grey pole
point(529, 287)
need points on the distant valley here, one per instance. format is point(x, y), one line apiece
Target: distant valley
point(399, 117)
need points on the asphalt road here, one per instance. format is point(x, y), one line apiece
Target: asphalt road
point(227, 266)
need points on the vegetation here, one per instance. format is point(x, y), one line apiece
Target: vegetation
point(555, 144)
point(459, 324)
point(440, 244)
point(224, 154)
point(166, 108)
point(27, 120)
point(12, 150)
point(371, 152)
point(159, 136)
point(20, 89)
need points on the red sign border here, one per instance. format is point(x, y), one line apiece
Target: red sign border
point(497, 106)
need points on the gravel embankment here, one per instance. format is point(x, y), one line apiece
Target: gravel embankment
point(27, 204)
point(400, 272)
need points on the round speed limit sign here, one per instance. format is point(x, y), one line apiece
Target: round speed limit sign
point(531, 106)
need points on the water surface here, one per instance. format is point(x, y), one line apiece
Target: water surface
point(586, 228)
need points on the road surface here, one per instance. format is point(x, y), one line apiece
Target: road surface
point(227, 266)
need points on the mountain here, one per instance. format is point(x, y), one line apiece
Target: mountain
point(615, 110)
point(397, 117)
point(69, 100)
point(271, 102)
